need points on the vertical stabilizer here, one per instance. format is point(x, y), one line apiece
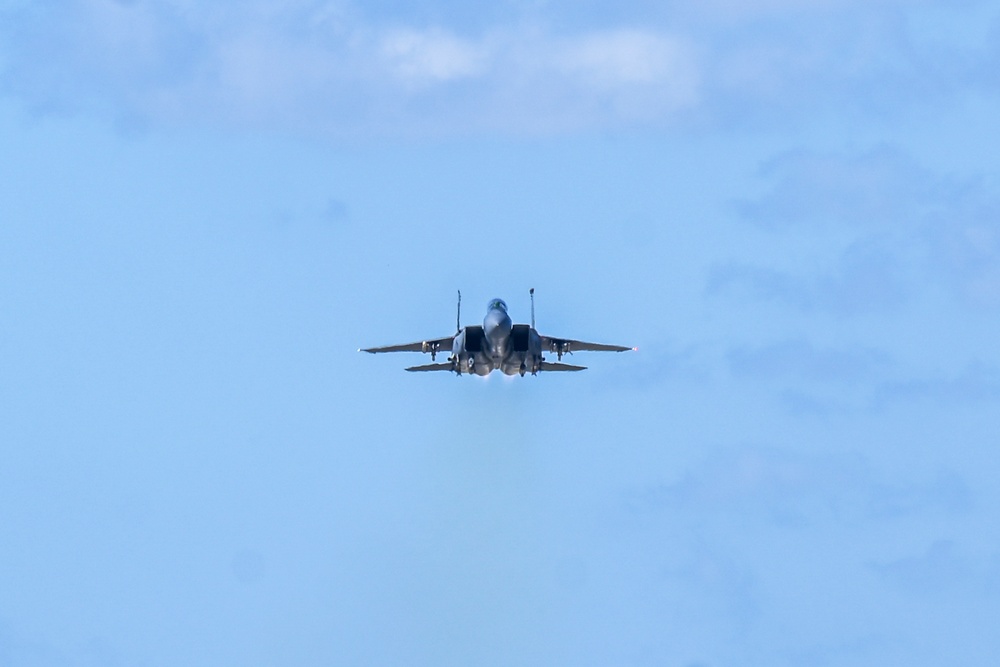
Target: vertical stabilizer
point(532, 293)
point(458, 315)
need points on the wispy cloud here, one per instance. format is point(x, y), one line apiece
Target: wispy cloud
point(963, 245)
point(943, 568)
point(340, 69)
point(838, 380)
point(864, 278)
point(976, 383)
point(427, 57)
point(800, 360)
point(879, 189)
point(794, 489)
point(888, 229)
point(323, 68)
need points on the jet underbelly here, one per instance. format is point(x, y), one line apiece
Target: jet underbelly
point(470, 352)
point(524, 353)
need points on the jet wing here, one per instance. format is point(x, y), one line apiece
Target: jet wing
point(432, 367)
point(430, 345)
point(564, 345)
point(551, 366)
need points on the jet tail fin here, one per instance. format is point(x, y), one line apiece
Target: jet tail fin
point(550, 366)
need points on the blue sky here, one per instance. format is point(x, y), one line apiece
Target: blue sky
point(791, 207)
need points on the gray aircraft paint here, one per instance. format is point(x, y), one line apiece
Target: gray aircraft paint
point(498, 344)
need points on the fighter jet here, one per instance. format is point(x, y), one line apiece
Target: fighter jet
point(513, 349)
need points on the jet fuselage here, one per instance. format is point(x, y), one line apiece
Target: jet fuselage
point(497, 345)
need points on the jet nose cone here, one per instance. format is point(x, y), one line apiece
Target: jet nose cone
point(497, 325)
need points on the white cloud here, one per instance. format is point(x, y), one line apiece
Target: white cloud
point(432, 55)
point(322, 68)
point(623, 57)
point(326, 68)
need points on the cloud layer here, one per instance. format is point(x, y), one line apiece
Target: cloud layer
point(339, 69)
point(322, 68)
